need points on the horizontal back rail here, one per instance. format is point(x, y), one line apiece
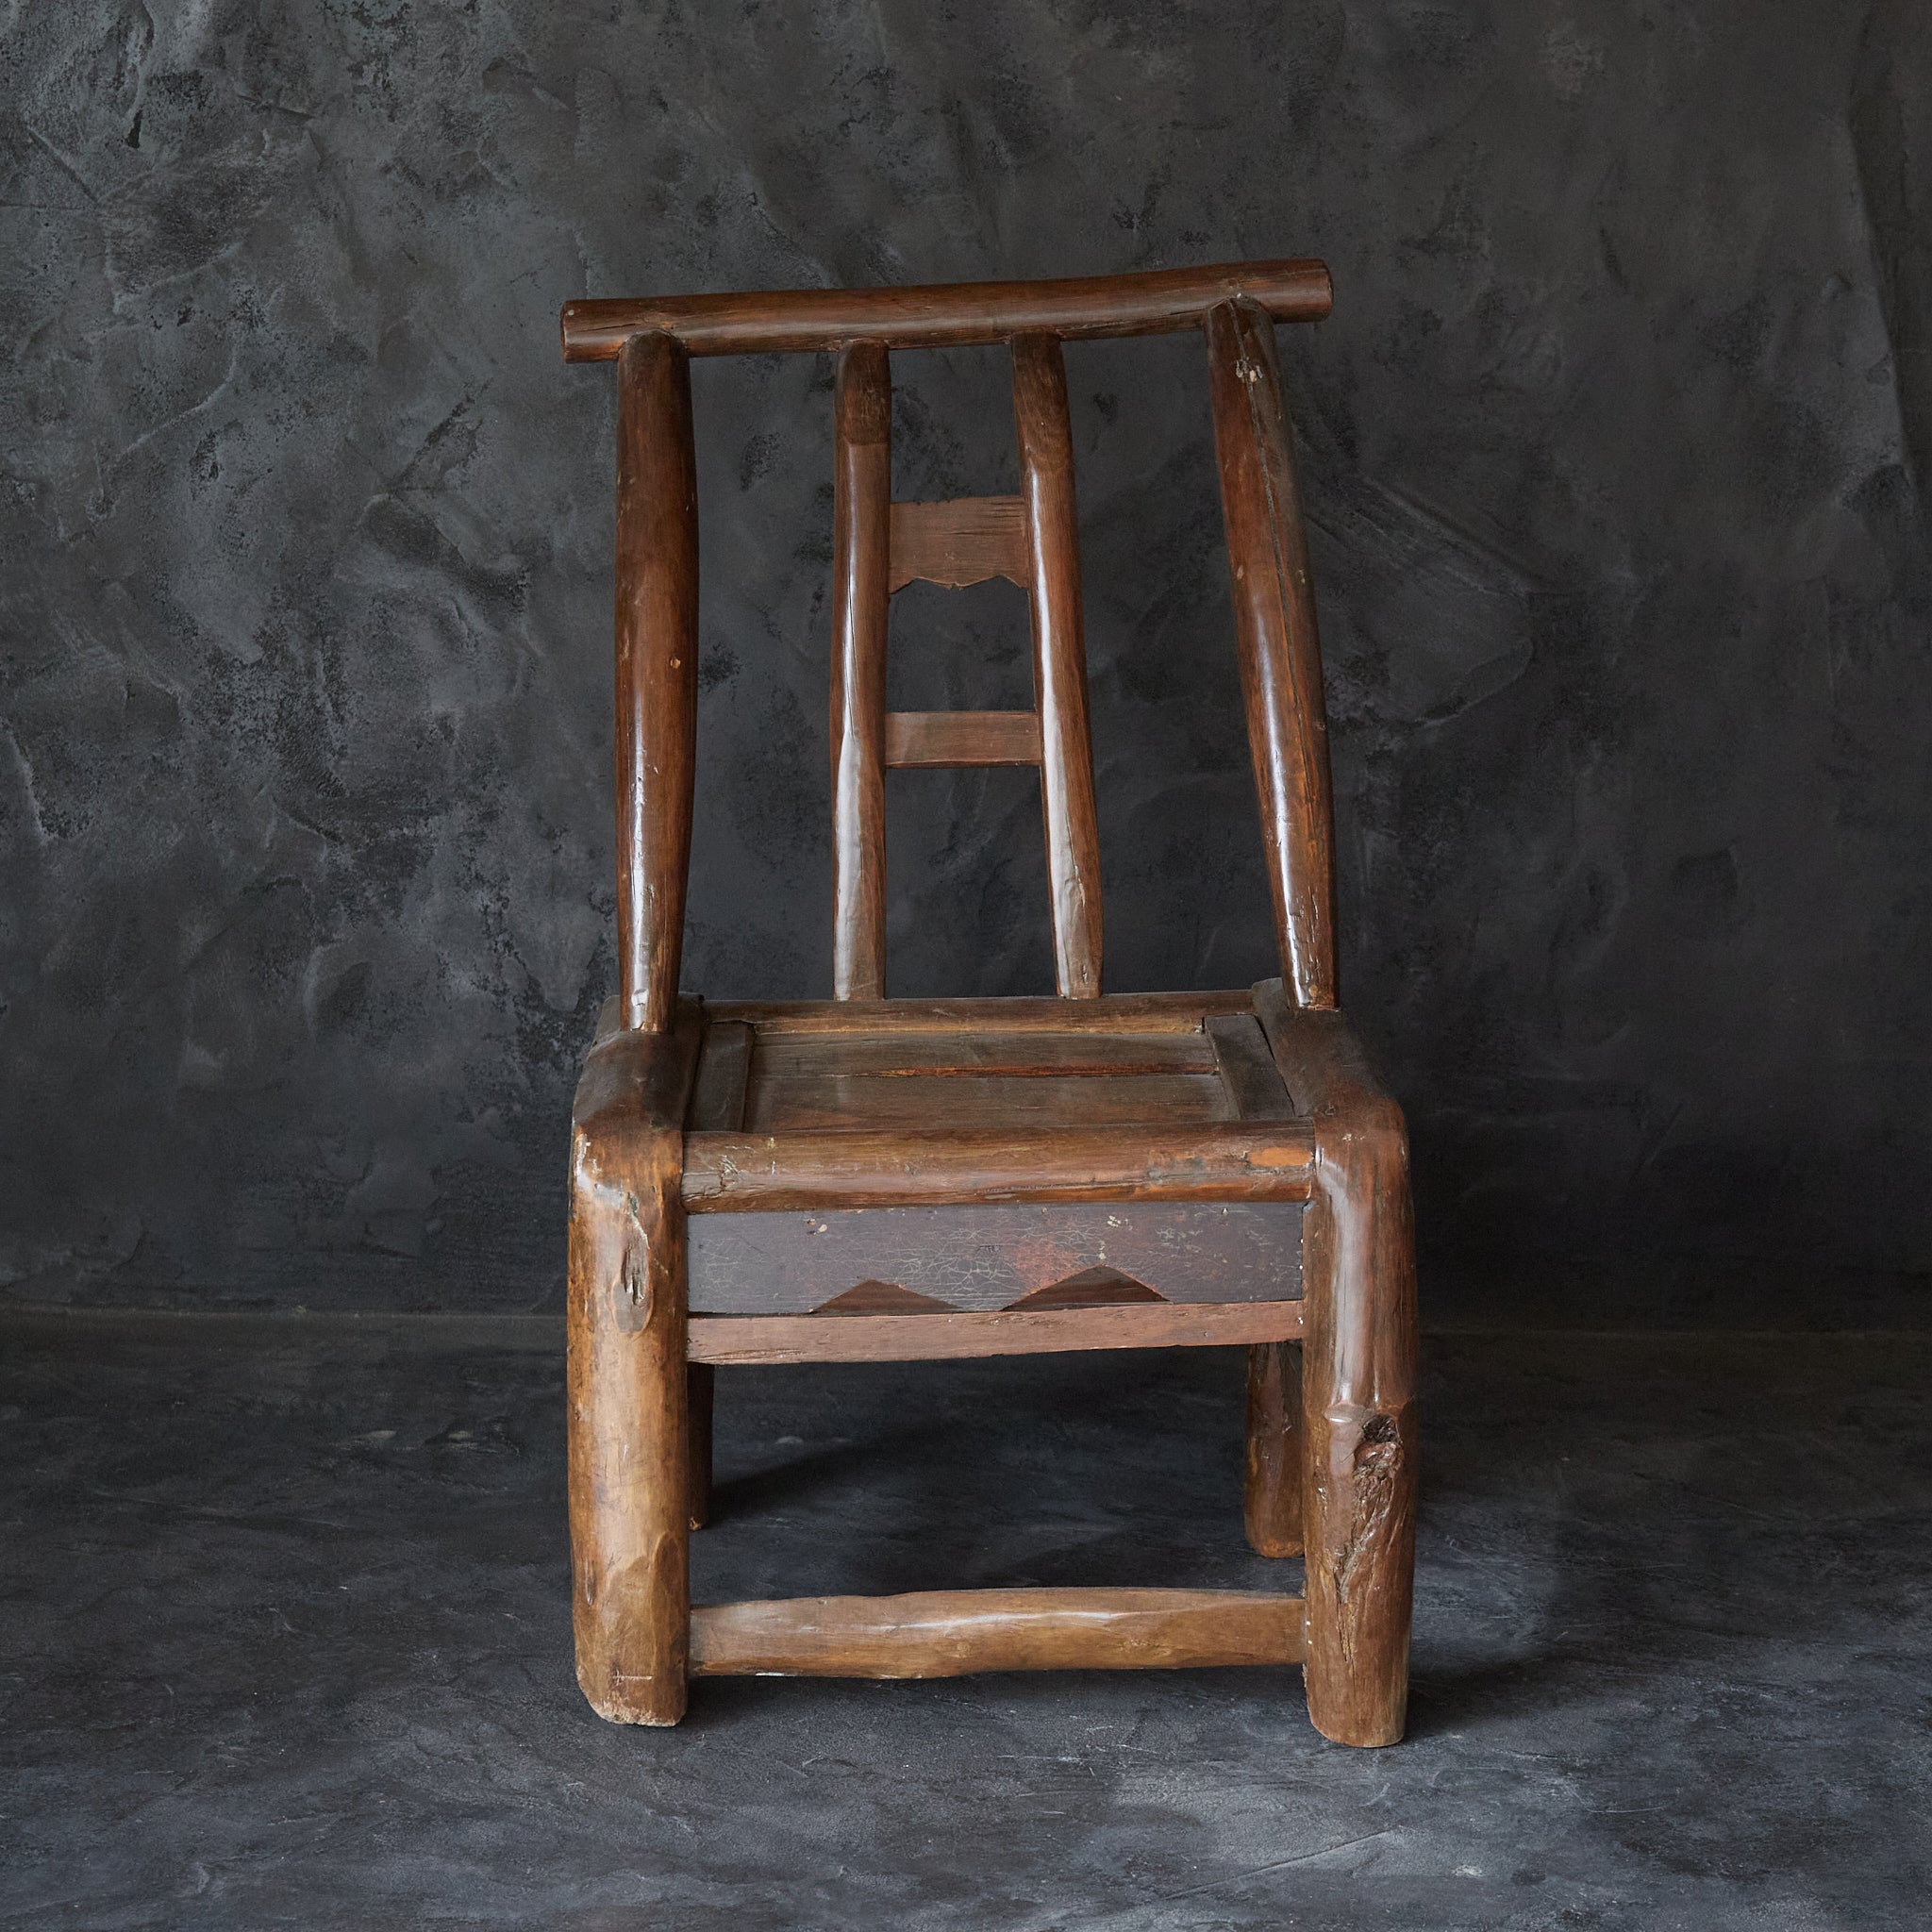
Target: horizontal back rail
point(962, 738)
point(945, 314)
point(960, 543)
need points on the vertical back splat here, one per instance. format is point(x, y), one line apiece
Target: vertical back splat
point(1059, 661)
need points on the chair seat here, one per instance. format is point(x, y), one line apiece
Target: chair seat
point(970, 1076)
point(985, 1063)
point(1163, 1082)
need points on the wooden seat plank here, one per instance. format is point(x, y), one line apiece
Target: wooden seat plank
point(836, 1101)
point(990, 1050)
point(1119, 1013)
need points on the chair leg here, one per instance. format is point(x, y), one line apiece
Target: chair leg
point(699, 1378)
point(1271, 1507)
point(1358, 1411)
point(630, 1479)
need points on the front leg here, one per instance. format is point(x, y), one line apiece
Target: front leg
point(629, 1419)
point(1358, 1411)
point(1358, 1373)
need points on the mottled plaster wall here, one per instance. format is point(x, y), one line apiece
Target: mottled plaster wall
point(1617, 447)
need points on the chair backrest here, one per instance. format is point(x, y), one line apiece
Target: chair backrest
point(879, 546)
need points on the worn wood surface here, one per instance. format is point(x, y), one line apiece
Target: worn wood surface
point(629, 1419)
point(956, 1633)
point(929, 1055)
point(1358, 1373)
point(981, 1258)
point(657, 672)
point(879, 1298)
point(985, 1102)
point(1060, 662)
point(964, 541)
point(1275, 638)
point(924, 1337)
point(1093, 1288)
point(1118, 1012)
point(962, 739)
point(699, 1393)
point(985, 1079)
point(897, 1168)
point(862, 549)
point(1254, 1088)
point(1272, 1493)
point(716, 1099)
point(944, 315)
point(1272, 1496)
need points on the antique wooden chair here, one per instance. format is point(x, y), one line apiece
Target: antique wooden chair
point(868, 1180)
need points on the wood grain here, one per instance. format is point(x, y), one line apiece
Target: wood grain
point(700, 1378)
point(861, 547)
point(657, 672)
point(961, 738)
point(879, 1298)
point(964, 541)
point(627, 1419)
point(1272, 1493)
point(740, 1173)
point(1254, 1088)
point(1272, 1496)
point(1114, 1012)
point(957, 1633)
point(716, 1099)
point(746, 1338)
point(1060, 662)
point(929, 1054)
point(944, 315)
point(1093, 1288)
point(1359, 1374)
point(1280, 651)
point(981, 1258)
point(1022, 1103)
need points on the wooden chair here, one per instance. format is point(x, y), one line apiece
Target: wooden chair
point(867, 1180)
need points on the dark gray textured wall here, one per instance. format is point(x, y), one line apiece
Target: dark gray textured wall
point(1616, 448)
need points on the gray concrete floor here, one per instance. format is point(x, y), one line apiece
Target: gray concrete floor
point(286, 1643)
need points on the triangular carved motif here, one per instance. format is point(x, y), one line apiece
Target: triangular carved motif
point(882, 1298)
point(1093, 1288)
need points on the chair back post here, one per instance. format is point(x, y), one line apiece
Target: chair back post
point(1279, 646)
point(657, 672)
